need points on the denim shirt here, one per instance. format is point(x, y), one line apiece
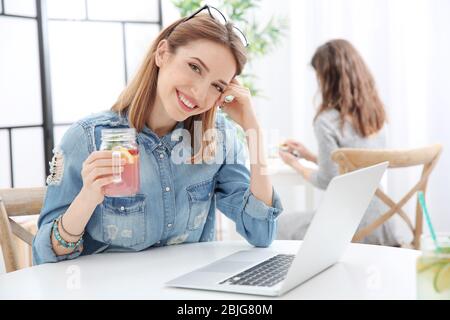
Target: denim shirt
point(176, 203)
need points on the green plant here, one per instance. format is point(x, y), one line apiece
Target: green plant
point(262, 38)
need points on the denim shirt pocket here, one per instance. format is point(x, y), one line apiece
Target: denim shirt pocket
point(123, 220)
point(199, 195)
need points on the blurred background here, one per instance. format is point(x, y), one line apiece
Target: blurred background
point(61, 60)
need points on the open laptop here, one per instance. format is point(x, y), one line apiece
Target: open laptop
point(265, 272)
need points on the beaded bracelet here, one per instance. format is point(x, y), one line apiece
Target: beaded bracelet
point(61, 241)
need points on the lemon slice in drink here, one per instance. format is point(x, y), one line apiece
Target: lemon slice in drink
point(126, 154)
point(441, 280)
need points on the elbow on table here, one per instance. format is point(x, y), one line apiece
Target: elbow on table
point(260, 241)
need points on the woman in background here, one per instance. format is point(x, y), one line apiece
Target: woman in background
point(351, 115)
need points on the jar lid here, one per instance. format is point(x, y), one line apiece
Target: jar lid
point(122, 134)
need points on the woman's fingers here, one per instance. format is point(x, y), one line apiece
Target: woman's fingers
point(235, 81)
point(104, 181)
point(106, 162)
point(234, 89)
point(97, 155)
point(287, 157)
point(293, 143)
point(99, 161)
point(100, 172)
point(298, 147)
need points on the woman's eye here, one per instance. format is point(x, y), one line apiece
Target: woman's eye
point(194, 68)
point(219, 88)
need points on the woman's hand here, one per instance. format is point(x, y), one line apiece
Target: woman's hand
point(240, 109)
point(298, 148)
point(292, 161)
point(97, 172)
point(288, 158)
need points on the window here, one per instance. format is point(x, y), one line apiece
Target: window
point(60, 61)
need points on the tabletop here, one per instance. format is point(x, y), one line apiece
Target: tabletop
point(364, 272)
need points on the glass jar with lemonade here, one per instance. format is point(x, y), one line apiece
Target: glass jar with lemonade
point(123, 144)
point(433, 268)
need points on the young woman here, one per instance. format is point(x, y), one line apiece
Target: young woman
point(351, 115)
point(189, 71)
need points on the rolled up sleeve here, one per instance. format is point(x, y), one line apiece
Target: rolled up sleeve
point(43, 249)
point(259, 210)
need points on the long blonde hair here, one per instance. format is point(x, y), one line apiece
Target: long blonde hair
point(140, 94)
point(348, 86)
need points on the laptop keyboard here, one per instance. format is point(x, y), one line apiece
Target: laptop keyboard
point(266, 274)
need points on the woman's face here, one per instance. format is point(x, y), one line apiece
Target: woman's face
point(192, 79)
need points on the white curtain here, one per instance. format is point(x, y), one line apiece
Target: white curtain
point(406, 44)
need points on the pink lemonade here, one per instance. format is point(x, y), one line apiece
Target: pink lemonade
point(130, 182)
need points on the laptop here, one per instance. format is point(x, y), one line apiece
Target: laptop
point(265, 272)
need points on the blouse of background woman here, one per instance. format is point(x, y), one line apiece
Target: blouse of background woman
point(330, 136)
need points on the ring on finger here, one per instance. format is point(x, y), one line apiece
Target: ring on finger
point(229, 98)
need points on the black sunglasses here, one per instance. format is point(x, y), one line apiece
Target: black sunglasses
point(220, 17)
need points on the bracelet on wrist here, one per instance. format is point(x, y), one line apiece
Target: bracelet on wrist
point(61, 241)
point(67, 232)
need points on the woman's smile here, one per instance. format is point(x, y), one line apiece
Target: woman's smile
point(186, 103)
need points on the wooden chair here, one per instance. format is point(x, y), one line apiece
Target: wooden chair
point(14, 203)
point(353, 159)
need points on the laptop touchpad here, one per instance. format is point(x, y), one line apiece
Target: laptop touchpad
point(226, 266)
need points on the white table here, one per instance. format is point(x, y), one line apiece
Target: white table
point(366, 272)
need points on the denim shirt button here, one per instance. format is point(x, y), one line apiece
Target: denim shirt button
point(167, 189)
point(122, 208)
point(169, 225)
point(161, 156)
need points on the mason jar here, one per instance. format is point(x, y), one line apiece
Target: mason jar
point(433, 268)
point(123, 144)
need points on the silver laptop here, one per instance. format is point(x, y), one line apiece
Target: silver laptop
point(265, 272)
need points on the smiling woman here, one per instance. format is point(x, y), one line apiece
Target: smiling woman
point(189, 71)
point(195, 83)
point(183, 63)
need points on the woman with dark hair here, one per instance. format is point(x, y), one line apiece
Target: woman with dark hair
point(350, 115)
point(191, 161)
